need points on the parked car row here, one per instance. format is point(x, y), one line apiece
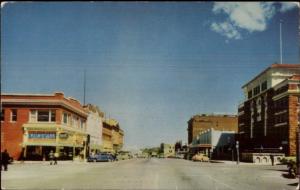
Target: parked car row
point(107, 157)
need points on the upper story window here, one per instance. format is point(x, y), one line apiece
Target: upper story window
point(256, 90)
point(2, 114)
point(42, 115)
point(264, 86)
point(65, 118)
point(250, 94)
point(14, 115)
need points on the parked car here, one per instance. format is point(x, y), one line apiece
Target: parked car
point(200, 157)
point(100, 158)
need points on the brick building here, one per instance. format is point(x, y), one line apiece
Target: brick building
point(32, 125)
point(199, 123)
point(269, 116)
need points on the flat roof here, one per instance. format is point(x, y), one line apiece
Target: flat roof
point(273, 66)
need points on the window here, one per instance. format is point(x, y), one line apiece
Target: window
point(33, 116)
point(14, 115)
point(2, 114)
point(43, 116)
point(81, 124)
point(65, 118)
point(250, 94)
point(256, 90)
point(46, 116)
point(264, 86)
point(52, 114)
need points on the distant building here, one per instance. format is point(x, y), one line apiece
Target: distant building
point(269, 115)
point(167, 149)
point(113, 136)
point(33, 124)
point(199, 123)
point(94, 127)
point(214, 143)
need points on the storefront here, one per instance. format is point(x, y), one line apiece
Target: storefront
point(69, 144)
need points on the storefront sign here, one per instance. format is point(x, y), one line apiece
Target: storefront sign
point(41, 136)
point(63, 135)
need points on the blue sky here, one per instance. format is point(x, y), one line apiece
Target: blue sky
point(149, 65)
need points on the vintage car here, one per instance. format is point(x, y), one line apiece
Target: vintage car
point(100, 158)
point(200, 157)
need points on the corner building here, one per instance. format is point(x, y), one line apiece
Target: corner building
point(269, 116)
point(32, 125)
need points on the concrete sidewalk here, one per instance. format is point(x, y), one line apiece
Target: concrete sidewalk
point(48, 162)
point(240, 163)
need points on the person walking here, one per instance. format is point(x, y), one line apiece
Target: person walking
point(55, 158)
point(51, 157)
point(4, 159)
point(272, 159)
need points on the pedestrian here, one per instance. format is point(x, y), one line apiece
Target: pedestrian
point(272, 159)
point(55, 158)
point(51, 157)
point(4, 159)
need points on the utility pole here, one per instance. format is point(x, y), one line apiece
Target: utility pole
point(280, 38)
point(84, 85)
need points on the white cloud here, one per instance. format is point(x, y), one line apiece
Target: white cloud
point(246, 16)
point(226, 29)
point(286, 6)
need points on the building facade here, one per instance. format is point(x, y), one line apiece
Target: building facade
point(215, 143)
point(94, 127)
point(168, 150)
point(32, 125)
point(113, 136)
point(269, 116)
point(199, 123)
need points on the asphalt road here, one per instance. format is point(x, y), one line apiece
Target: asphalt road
point(145, 174)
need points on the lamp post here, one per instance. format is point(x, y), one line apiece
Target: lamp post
point(237, 153)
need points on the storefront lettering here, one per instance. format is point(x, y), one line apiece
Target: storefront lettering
point(41, 135)
point(63, 135)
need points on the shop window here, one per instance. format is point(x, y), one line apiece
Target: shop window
point(2, 114)
point(14, 115)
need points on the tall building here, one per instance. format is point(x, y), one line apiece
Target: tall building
point(269, 116)
point(94, 127)
point(199, 123)
point(32, 125)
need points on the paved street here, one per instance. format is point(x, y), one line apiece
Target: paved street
point(145, 174)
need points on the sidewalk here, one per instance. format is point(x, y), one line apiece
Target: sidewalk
point(234, 162)
point(47, 162)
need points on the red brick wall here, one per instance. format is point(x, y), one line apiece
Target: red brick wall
point(12, 132)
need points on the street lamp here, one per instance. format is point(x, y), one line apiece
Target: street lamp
point(237, 153)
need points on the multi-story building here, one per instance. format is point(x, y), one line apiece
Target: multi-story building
point(116, 135)
point(269, 116)
point(94, 127)
point(107, 137)
point(167, 149)
point(199, 123)
point(32, 125)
